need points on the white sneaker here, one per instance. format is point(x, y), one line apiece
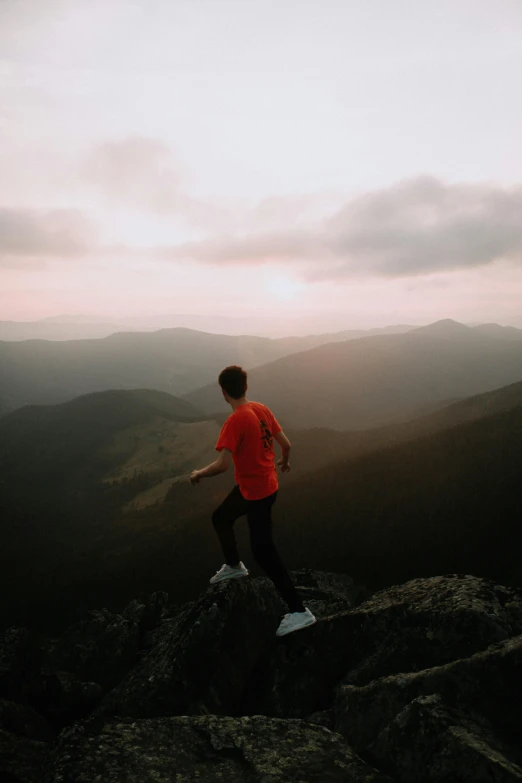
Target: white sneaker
point(294, 621)
point(229, 572)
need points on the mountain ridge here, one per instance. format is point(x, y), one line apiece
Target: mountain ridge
point(377, 380)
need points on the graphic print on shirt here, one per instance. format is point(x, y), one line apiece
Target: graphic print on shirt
point(266, 435)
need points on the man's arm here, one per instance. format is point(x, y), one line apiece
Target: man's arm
point(285, 444)
point(221, 465)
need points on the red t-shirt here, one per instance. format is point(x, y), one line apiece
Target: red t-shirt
point(248, 434)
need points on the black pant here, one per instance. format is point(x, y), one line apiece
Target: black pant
point(258, 513)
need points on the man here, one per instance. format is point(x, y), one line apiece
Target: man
point(246, 438)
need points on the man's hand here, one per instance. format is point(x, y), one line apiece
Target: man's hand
point(285, 448)
point(284, 465)
point(214, 469)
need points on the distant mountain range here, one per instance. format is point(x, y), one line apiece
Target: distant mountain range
point(48, 329)
point(339, 380)
point(379, 380)
point(172, 360)
point(80, 327)
point(83, 327)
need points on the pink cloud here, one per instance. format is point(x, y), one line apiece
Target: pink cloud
point(415, 227)
point(26, 234)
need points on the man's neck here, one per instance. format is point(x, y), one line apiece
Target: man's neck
point(237, 403)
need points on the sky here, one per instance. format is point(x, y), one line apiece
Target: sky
point(337, 163)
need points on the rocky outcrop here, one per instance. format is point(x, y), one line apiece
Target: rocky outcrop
point(488, 682)
point(418, 682)
point(207, 749)
point(422, 623)
point(428, 622)
point(327, 594)
point(104, 647)
point(203, 659)
point(432, 742)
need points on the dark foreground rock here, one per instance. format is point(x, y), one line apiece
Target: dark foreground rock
point(488, 682)
point(203, 659)
point(427, 622)
point(422, 680)
point(24, 720)
point(405, 628)
point(431, 742)
point(206, 749)
point(102, 648)
point(68, 698)
point(21, 759)
point(326, 594)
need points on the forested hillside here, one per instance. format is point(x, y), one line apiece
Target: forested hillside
point(446, 501)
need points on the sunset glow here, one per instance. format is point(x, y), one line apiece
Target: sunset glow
point(201, 156)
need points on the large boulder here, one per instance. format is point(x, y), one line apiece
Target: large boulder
point(408, 627)
point(431, 742)
point(203, 658)
point(488, 682)
point(427, 622)
point(206, 749)
point(102, 648)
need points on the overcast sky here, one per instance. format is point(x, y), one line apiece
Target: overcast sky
point(262, 157)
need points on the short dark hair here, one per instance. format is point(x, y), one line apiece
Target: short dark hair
point(233, 380)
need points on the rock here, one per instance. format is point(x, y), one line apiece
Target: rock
point(69, 698)
point(20, 665)
point(427, 622)
point(103, 648)
point(147, 612)
point(203, 659)
point(489, 682)
point(325, 718)
point(169, 615)
point(22, 719)
point(420, 624)
point(432, 742)
point(206, 749)
point(21, 759)
point(326, 594)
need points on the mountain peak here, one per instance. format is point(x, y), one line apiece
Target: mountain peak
point(446, 327)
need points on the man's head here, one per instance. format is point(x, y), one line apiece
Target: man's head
point(233, 382)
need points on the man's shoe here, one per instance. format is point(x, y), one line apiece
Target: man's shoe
point(229, 572)
point(294, 621)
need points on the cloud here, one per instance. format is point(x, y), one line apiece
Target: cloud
point(26, 234)
point(140, 172)
point(136, 170)
point(415, 227)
